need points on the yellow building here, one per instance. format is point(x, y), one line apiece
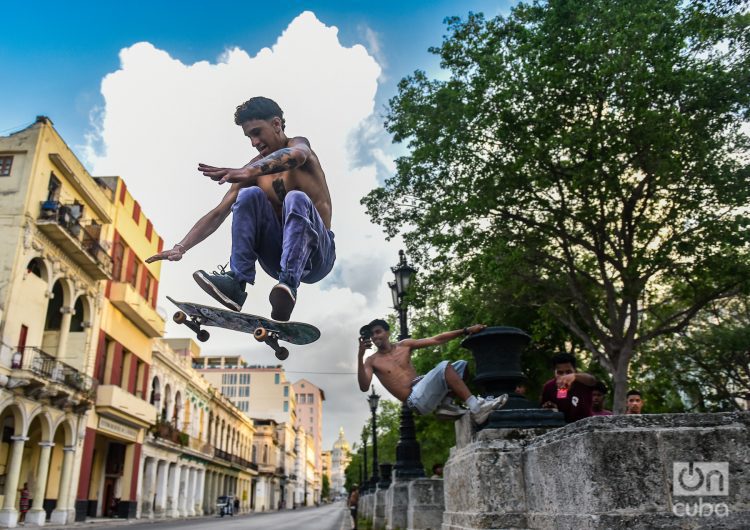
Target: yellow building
point(109, 473)
point(263, 394)
point(54, 218)
point(201, 446)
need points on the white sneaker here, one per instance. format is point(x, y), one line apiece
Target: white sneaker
point(486, 407)
point(449, 412)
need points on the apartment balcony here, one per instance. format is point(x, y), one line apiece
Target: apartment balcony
point(118, 404)
point(266, 469)
point(61, 223)
point(42, 376)
point(244, 463)
point(137, 309)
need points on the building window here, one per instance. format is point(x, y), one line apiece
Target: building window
point(134, 275)
point(301, 398)
point(53, 188)
point(244, 391)
point(286, 391)
point(5, 163)
point(118, 256)
point(310, 398)
point(147, 286)
point(286, 406)
point(244, 379)
point(229, 379)
point(136, 212)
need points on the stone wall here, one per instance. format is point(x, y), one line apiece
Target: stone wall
point(601, 472)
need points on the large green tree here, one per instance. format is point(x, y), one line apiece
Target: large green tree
point(585, 159)
point(705, 368)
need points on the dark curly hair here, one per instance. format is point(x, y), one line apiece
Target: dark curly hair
point(259, 108)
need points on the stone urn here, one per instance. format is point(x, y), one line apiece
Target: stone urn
point(497, 355)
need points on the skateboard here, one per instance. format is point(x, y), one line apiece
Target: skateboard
point(194, 316)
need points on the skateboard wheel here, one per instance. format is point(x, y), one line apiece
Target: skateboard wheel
point(282, 354)
point(260, 334)
point(203, 335)
point(179, 317)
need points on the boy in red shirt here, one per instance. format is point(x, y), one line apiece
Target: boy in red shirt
point(570, 390)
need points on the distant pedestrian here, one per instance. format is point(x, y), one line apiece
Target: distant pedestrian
point(353, 502)
point(598, 395)
point(634, 404)
point(437, 471)
point(24, 503)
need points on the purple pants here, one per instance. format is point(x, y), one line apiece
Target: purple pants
point(297, 248)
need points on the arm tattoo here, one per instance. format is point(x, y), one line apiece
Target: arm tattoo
point(276, 162)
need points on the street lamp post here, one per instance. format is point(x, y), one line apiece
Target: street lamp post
point(364, 459)
point(373, 399)
point(408, 452)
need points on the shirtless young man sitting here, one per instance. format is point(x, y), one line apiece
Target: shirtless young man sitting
point(282, 215)
point(391, 363)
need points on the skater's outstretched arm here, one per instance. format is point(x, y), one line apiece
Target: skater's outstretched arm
point(285, 159)
point(415, 344)
point(205, 226)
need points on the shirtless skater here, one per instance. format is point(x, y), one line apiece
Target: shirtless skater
point(391, 363)
point(282, 215)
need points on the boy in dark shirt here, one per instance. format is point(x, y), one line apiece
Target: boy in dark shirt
point(569, 391)
point(598, 394)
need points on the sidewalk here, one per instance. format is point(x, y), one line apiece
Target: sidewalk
point(115, 522)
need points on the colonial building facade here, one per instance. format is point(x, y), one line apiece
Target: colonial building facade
point(101, 416)
point(53, 221)
point(309, 398)
point(201, 444)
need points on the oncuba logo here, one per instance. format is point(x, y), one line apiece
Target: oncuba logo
point(699, 479)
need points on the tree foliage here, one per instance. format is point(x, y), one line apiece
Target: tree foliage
point(325, 488)
point(584, 160)
point(706, 368)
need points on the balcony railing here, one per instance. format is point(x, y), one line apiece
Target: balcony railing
point(218, 453)
point(244, 463)
point(68, 218)
point(167, 431)
point(48, 367)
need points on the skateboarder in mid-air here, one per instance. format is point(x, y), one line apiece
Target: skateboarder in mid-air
point(282, 215)
point(432, 392)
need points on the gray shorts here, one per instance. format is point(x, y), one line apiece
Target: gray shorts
point(430, 389)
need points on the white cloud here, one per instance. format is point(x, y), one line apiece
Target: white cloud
point(161, 117)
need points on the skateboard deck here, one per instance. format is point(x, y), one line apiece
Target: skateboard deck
point(263, 329)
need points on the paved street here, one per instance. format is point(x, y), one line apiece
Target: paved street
point(327, 517)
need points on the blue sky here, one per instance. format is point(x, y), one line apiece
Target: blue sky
point(54, 54)
point(168, 104)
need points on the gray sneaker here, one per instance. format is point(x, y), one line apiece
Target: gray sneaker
point(223, 287)
point(486, 407)
point(449, 412)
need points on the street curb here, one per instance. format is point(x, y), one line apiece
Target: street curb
point(114, 522)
